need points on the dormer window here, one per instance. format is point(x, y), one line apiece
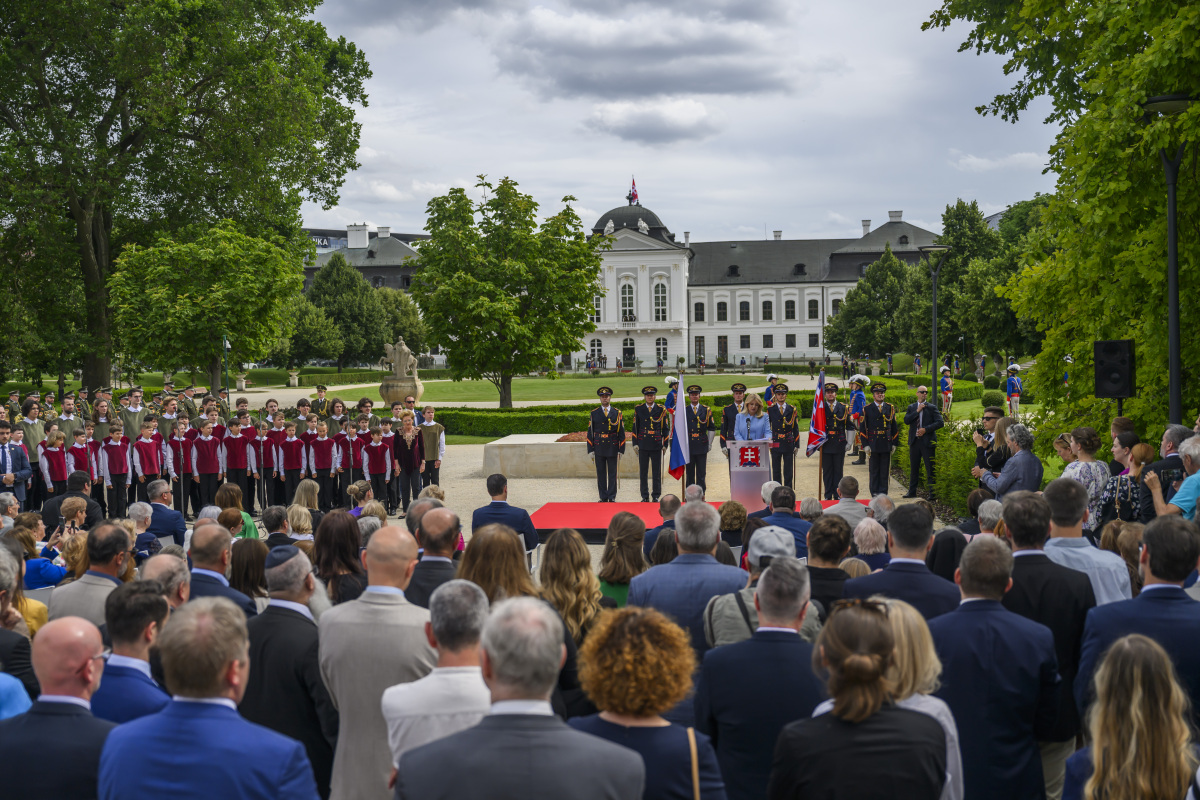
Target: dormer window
point(799, 269)
point(734, 271)
point(903, 240)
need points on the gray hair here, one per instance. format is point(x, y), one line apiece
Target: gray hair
point(412, 517)
point(458, 610)
point(209, 512)
point(870, 536)
point(1019, 435)
point(523, 639)
point(1177, 434)
point(9, 569)
point(989, 514)
point(288, 577)
point(881, 507)
point(7, 499)
point(140, 512)
point(693, 494)
point(367, 525)
point(810, 508)
point(783, 590)
point(156, 489)
point(169, 569)
point(768, 489)
point(697, 527)
point(1191, 449)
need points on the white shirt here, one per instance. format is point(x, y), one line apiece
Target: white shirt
point(539, 707)
point(778, 630)
point(215, 701)
point(65, 698)
point(446, 701)
point(143, 667)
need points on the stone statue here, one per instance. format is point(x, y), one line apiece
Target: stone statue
point(403, 380)
point(404, 365)
point(609, 228)
point(643, 227)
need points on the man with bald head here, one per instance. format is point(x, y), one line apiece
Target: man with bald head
point(367, 645)
point(439, 531)
point(68, 658)
point(212, 547)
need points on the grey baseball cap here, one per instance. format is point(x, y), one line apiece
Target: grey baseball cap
point(771, 541)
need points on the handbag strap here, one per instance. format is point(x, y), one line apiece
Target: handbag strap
point(745, 611)
point(695, 763)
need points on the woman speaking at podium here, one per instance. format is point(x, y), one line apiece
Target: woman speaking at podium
point(752, 424)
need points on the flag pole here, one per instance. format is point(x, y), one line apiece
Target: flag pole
point(820, 472)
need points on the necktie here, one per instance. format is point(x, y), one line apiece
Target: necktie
point(4, 460)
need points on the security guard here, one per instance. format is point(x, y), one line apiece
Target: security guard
point(785, 433)
point(701, 429)
point(923, 421)
point(729, 415)
point(879, 431)
point(669, 403)
point(651, 431)
point(320, 406)
point(833, 452)
point(858, 401)
point(605, 442)
point(14, 406)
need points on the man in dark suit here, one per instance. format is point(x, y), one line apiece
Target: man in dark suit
point(78, 485)
point(983, 644)
point(910, 534)
point(651, 431)
point(439, 531)
point(729, 415)
point(274, 519)
point(199, 739)
point(164, 520)
point(668, 507)
point(500, 511)
point(1059, 598)
point(606, 444)
point(783, 513)
point(285, 692)
point(69, 658)
point(923, 420)
point(15, 468)
point(134, 614)
point(879, 431)
point(1163, 610)
point(1169, 469)
point(700, 430)
point(522, 653)
point(785, 436)
point(833, 452)
point(729, 703)
point(768, 489)
point(212, 547)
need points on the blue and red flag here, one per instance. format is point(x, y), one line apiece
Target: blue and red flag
point(816, 427)
point(680, 452)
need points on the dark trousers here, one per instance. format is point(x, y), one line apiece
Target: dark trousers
point(606, 477)
point(833, 462)
point(181, 489)
point(326, 484)
point(650, 465)
point(393, 498)
point(697, 468)
point(782, 466)
point(291, 479)
point(242, 480)
point(340, 498)
point(430, 475)
point(208, 483)
point(410, 487)
point(274, 488)
point(921, 449)
point(132, 489)
point(118, 495)
point(139, 487)
point(877, 467)
point(250, 499)
point(60, 488)
point(36, 494)
point(100, 496)
point(379, 484)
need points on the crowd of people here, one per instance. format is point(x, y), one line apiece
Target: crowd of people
point(1046, 647)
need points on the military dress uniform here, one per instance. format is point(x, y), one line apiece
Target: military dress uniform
point(785, 433)
point(699, 422)
point(672, 395)
point(858, 401)
point(833, 452)
point(1012, 389)
point(651, 431)
point(729, 416)
point(605, 443)
point(188, 404)
point(879, 432)
point(82, 407)
point(320, 406)
point(14, 406)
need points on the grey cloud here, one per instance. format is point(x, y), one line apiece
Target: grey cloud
point(419, 15)
point(656, 122)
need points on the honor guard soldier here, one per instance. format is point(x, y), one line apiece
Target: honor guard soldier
point(188, 403)
point(605, 442)
point(651, 430)
point(946, 386)
point(1013, 389)
point(729, 415)
point(858, 401)
point(223, 402)
point(769, 392)
point(48, 412)
point(833, 452)
point(879, 432)
point(14, 406)
point(82, 406)
point(785, 433)
point(701, 428)
point(320, 406)
point(672, 395)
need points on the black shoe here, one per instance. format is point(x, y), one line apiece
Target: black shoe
point(860, 462)
point(910, 495)
point(644, 500)
point(653, 499)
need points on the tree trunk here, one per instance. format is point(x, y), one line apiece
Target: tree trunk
point(62, 384)
point(505, 390)
point(339, 365)
point(93, 229)
point(214, 375)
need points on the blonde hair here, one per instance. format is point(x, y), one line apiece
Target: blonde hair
point(307, 493)
point(358, 491)
point(758, 402)
point(55, 439)
point(72, 506)
point(374, 509)
point(299, 519)
point(916, 668)
point(568, 583)
point(1000, 437)
point(434, 491)
point(855, 567)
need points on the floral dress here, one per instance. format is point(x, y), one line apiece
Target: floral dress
point(1094, 477)
point(1120, 498)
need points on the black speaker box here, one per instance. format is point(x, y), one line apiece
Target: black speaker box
point(1115, 373)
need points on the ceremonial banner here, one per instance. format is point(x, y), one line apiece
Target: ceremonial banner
point(749, 469)
point(681, 452)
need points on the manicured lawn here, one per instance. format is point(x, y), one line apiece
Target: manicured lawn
point(452, 439)
point(973, 409)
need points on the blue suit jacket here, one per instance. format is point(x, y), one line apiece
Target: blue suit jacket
point(203, 751)
point(682, 589)
point(21, 470)
point(208, 586)
point(730, 705)
point(793, 524)
point(166, 522)
point(67, 731)
point(1000, 679)
point(1168, 616)
point(652, 536)
point(912, 583)
point(125, 694)
point(498, 511)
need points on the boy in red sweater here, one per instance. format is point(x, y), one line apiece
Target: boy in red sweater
point(264, 457)
point(147, 459)
point(377, 461)
point(323, 460)
point(79, 456)
point(349, 462)
point(208, 462)
point(115, 465)
point(291, 460)
point(93, 444)
point(53, 463)
point(239, 459)
point(179, 467)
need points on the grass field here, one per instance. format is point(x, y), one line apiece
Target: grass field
point(153, 381)
point(452, 439)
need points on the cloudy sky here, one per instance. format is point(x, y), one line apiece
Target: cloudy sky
point(734, 116)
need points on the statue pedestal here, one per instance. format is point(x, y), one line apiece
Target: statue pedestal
point(394, 390)
point(241, 381)
point(293, 378)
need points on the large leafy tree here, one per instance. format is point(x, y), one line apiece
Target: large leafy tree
point(315, 337)
point(508, 295)
point(404, 319)
point(136, 118)
point(354, 308)
point(866, 321)
point(173, 302)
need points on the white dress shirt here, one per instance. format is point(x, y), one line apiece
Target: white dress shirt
point(446, 701)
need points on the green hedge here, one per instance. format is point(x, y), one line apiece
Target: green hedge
point(993, 397)
point(991, 382)
point(343, 379)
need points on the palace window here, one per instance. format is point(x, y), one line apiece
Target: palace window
point(744, 311)
point(768, 310)
point(789, 309)
point(722, 312)
point(660, 302)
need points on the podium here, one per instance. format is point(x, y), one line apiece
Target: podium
point(749, 469)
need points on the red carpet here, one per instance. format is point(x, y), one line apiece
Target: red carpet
point(591, 519)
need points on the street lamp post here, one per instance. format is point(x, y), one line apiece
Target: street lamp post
point(929, 250)
point(1172, 104)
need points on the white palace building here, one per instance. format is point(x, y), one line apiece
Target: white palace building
point(727, 300)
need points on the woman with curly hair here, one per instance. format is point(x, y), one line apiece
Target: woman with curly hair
point(1142, 745)
point(568, 583)
point(733, 519)
point(622, 559)
point(635, 665)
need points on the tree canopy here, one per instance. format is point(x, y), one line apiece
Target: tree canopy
point(404, 319)
point(505, 295)
point(355, 309)
point(866, 322)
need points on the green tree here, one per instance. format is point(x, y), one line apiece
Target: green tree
point(508, 295)
point(353, 307)
point(134, 119)
point(173, 302)
point(315, 337)
point(404, 319)
point(866, 321)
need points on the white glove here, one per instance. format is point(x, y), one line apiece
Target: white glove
point(725, 452)
point(592, 456)
point(635, 450)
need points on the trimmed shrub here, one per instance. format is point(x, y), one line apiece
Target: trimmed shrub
point(991, 382)
point(344, 379)
point(993, 398)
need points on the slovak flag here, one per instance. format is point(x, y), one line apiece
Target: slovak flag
point(816, 427)
point(680, 452)
point(633, 192)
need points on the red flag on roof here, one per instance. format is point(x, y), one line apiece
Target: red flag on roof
point(633, 193)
